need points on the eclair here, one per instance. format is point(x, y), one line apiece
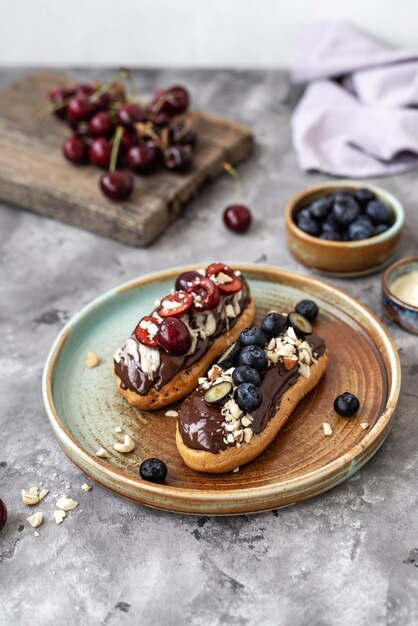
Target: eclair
point(242, 403)
point(170, 349)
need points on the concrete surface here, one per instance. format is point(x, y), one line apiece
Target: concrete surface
point(344, 558)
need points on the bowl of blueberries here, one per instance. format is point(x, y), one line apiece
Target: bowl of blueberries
point(344, 228)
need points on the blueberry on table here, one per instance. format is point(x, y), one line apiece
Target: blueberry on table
point(246, 374)
point(307, 308)
point(309, 226)
point(254, 356)
point(379, 213)
point(346, 404)
point(330, 236)
point(252, 337)
point(153, 470)
point(359, 230)
point(3, 514)
point(345, 210)
point(363, 196)
point(320, 209)
point(248, 397)
point(230, 356)
point(273, 324)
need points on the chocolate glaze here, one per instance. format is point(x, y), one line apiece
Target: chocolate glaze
point(201, 425)
point(134, 378)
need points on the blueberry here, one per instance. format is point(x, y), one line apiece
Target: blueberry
point(346, 404)
point(345, 210)
point(248, 397)
point(273, 324)
point(309, 226)
point(365, 219)
point(254, 356)
point(330, 236)
point(307, 308)
point(252, 337)
point(379, 213)
point(319, 209)
point(246, 374)
point(331, 225)
point(360, 230)
point(381, 228)
point(303, 214)
point(363, 196)
point(342, 193)
point(153, 470)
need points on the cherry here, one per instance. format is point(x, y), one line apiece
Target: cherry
point(79, 110)
point(141, 159)
point(3, 514)
point(146, 331)
point(128, 140)
point(129, 114)
point(59, 95)
point(102, 100)
point(237, 217)
point(185, 279)
point(178, 158)
point(231, 286)
point(101, 125)
point(83, 90)
point(174, 336)
point(175, 100)
point(117, 185)
point(206, 294)
point(75, 150)
point(100, 153)
point(175, 304)
point(162, 119)
point(182, 133)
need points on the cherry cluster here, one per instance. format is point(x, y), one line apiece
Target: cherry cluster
point(118, 134)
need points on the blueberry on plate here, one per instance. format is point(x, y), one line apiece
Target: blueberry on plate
point(309, 226)
point(320, 209)
point(307, 308)
point(379, 213)
point(248, 397)
point(230, 356)
point(345, 210)
point(330, 236)
point(246, 374)
point(252, 337)
point(359, 230)
point(381, 228)
point(300, 324)
point(346, 404)
point(273, 324)
point(363, 196)
point(153, 470)
point(254, 356)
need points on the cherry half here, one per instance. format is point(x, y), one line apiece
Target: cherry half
point(238, 218)
point(117, 185)
point(75, 150)
point(175, 304)
point(232, 286)
point(174, 336)
point(205, 294)
point(146, 331)
point(185, 279)
point(3, 514)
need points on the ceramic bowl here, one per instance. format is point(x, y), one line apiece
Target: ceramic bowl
point(403, 314)
point(342, 258)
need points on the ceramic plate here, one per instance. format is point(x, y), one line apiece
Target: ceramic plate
point(84, 407)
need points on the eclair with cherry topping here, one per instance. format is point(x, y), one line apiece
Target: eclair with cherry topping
point(173, 347)
point(238, 409)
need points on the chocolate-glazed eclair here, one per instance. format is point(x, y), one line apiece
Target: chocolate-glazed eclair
point(170, 349)
point(236, 412)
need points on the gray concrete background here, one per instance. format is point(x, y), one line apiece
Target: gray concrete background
point(343, 558)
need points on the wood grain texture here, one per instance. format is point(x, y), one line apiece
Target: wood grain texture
point(35, 176)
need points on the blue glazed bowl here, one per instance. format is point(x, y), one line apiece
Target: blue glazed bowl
point(403, 314)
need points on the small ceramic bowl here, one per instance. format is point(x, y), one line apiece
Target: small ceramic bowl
point(351, 258)
point(402, 313)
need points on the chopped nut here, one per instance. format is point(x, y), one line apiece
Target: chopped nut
point(118, 429)
point(271, 344)
point(215, 372)
point(234, 471)
point(43, 494)
point(245, 421)
point(92, 360)
point(66, 504)
point(304, 370)
point(86, 487)
point(102, 453)
point(327, 428)
point(171, 413)
point(238, 436)
point(127, 446)
point(59, 516)
point(36, 534)
point(364, 425)
point(36, 519)
point(230, 438)
point(29, 497)
point(289, 362)
point(291, 333)
point(229, 310)
point(248, 433)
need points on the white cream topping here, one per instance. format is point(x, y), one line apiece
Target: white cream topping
point(150, 359)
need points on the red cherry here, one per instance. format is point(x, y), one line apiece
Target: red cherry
point(182, 133)
point(238, 218)
point(205, 294)
point(129, 114)
point(178, 158)
point(228, 287)
point(184, 280)
point(83, 90)
point(174, 336)
point(101, 125)
point(176, 99)
point(141, 159)
point(79, 110)
point(3, 514)
point(175, 304)
point(57, 96)
point(162, 119)
point(100, 153)
point(75, 150)
point(128, 140)
point(117, 185)
point(143, 331)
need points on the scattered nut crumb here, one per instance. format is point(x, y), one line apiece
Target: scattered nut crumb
point(86, 487)
point(92, 360)
point(36, 534)
point(127, 446)
point(30, 497)
point(171, 413)
point(59, 516)
point(118, 429)
point(36, 519)
point(102, 453)
point(55, 475)
point(327, 428)
point(43, 493)
point(234, 471)
point(364, 425)
point(66, 504)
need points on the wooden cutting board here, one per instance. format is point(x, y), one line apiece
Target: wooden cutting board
point(35, 176)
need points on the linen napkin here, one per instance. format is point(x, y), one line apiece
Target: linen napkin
point(357, 117)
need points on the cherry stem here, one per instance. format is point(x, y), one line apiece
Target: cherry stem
point(233, 172)
point(50, 108)
point(115, 148)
